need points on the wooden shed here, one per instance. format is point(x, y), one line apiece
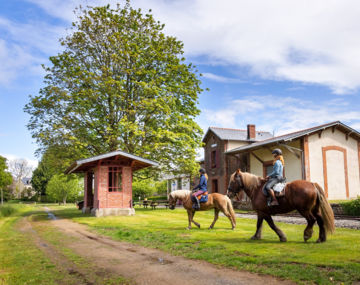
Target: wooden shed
point(108, 182)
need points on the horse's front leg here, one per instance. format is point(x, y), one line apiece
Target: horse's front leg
point(195, 223)
point(216, 216)
point(189, 219)
point(275, 228)
point(259, 224)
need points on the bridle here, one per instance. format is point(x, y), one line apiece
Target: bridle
point(239, 188)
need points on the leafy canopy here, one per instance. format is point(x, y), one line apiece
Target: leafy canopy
point(64, 187)
point(5, 176)
point(120, 83)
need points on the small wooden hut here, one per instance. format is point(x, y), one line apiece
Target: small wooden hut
point(108, 182)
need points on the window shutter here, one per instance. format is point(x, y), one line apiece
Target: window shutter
point(217, 158)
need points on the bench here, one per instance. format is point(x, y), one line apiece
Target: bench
point(154, 204)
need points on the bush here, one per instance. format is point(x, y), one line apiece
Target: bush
point(6, 211)
point(143, 188)
point(352, 208)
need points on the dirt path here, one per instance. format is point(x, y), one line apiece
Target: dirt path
point(139, 264)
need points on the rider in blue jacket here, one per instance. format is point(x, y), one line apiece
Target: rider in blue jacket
point(202, 188)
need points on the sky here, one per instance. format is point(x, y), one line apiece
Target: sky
point(282, 65)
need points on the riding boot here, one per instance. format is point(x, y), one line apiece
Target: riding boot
point(196, 205)
point(274, 200)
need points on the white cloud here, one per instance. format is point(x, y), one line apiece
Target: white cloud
point(306, 41)
point(279, 114)
point(220, 78)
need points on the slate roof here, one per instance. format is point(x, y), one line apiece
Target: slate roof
point(295, 135)
point(236, 134)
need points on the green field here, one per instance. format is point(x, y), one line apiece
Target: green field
point(336, 261)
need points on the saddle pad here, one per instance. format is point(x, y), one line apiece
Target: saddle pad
point(204, 198)
point(279, 187)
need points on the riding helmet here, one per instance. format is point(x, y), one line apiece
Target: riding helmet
point(202, 171)
point(277, 151)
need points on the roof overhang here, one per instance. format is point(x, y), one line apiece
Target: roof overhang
point(296, 135)
point(134, 161)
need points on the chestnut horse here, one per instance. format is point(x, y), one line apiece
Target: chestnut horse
point(305, 197)
point(215, 201)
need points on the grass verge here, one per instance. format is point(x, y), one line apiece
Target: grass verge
point(336, 261)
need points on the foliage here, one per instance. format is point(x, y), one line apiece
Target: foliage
point(7, 210)
point(55, 160)
point(156, 198)
point(143, 188)
point(5, 177)
point(161, 187)
point(351, 207)
point(120, 83)
point(301, 262)
point(64, 187)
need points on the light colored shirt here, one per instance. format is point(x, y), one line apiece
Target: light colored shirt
point(277, 170)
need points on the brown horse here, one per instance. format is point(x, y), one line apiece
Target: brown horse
point(305, 197)
point(215, 201)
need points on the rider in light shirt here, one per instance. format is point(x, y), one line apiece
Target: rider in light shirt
point(275, 176)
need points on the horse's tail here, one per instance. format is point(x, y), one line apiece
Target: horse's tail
point(231, 210)
point(326, 210)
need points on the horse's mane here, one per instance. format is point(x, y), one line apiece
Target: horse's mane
point(249, 180)
point(180, 194)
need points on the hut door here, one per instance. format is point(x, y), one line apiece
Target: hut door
point(90, 189)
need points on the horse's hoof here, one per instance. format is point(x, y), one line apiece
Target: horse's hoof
point(255, 238)
point(233, 228)
point(188, 228)
point(209, 228)
point(198, 226)
point(320, 240)
point(283, 239)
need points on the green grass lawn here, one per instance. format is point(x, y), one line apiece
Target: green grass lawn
point(336, 261)
point(21, 262)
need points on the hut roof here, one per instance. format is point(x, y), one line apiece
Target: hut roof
point(117, 156)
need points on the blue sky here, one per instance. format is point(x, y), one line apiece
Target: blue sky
point(282, 65)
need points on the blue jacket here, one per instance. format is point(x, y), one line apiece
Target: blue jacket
point(202, 184)
point(277, 170)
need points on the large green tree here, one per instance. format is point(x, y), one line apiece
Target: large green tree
point(5, 177)
point(54, 160)
point(120, 83)
point(63, 187)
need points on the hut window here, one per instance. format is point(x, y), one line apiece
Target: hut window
point(115, 179)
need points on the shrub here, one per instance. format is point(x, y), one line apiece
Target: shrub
point(6, 211)
point(352, 207)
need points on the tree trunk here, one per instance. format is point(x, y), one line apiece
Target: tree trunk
point(2, 197)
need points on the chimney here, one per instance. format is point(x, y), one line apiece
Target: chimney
point(251, 133)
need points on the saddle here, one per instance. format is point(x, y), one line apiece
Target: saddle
point(279, 188)
point(203, 197)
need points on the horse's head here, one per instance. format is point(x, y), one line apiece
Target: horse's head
point(172, 202)
point(235, 184)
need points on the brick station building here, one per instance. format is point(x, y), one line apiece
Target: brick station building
point(108, 182)
point(328, 154)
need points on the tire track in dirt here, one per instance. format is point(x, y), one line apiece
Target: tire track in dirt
point(72, 273)
point(150, 266)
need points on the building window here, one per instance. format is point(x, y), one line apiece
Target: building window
point(213, 159)
point(179, 185)
point(215, 188)
point(115, 179)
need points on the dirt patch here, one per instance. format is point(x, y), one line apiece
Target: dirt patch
point(149, 266)
point(71, 272)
